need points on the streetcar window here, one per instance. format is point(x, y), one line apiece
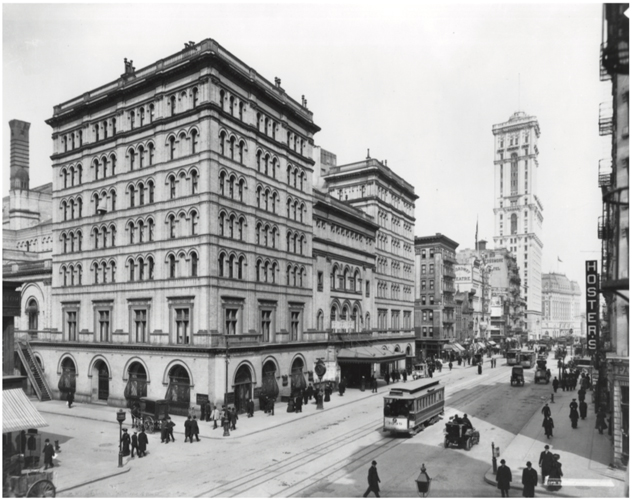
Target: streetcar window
point(397, 408)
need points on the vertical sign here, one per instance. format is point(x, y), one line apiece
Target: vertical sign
point(592, 306)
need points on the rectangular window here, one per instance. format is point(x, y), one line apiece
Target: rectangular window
point(431, 285)
point(266, 325)
point(424, 331)
point(431, 268)
point(423, 284)
point(395, 320)
point(104, 326)
point(423, 269)
point(295, 317)
point(140, 325)
point(231, 321)
point(182, 326)
point(407, 320)
point(71, 325)
point(423, 300)
point(431, 300)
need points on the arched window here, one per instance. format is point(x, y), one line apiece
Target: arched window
point(65, 174)
point(259, 161)
point(172, 226)
point(150, 227)
point(231, 146)
point(141, 194)
point(132, 119)
point(150, 268)
point(132, 228)
point(222, 140)
point(141, 116)
point(172, 266)
point(150, 186)
point(194, 182)
point(231, 186)
point(150, 148)
point(194, 264)
point(194, 222)
point(132, 196)
point(194, 138)
point(172, 186)
point(141, 156)
point(242, 146)
point(132, 158)
point(32, 310)
point(220, 262)
point(320, 320)
point(231, 266)
point(80, 172)
point(172, 147)
point(241, 189)
point(258, 197)
point(222, 217)
point(141, 231)
point(195, 96)
point(240, 268)
point(172, 105)
point(222, 96)
point(222, 178)
point(141, 269)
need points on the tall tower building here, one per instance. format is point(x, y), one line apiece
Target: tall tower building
point(517, 209)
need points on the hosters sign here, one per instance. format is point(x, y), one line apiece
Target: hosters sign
point(592, 306)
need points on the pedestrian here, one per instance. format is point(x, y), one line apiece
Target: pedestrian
point(601, 421)
point(208, 411)
point(298, 403)
point(187, 429)
point(142, 443)
point(305, 397)
point(215, 416)
point(529, 481)
point(328, 392)
point(226, 423)
point(555, 476)
point(170, 425)
point(271, 406)
point(430, 371)
point(583, 409)
point(405, 375)
point(233, 419)
point(250, 407)
point(387, 378)
point(374, 481)
point(450, 365)
point(202, 412)
point(556, 384)
point(135, 444)
point(546, 411)
point(195, 429)
point(574, 415)
point(310, 392)
point(342, 387)
point(581, 394)
point(125, 441)
point(49, 453)
point(546, 460)
point(503, 478)
point(373, 384)
point(164, 432)
point(548, 427)
point(71, 398)
point(480, 368)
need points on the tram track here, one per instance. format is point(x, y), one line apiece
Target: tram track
point(292, 463)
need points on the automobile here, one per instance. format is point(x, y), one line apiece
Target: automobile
point(517, 375)
point(457, 435)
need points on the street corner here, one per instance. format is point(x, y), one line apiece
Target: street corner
point(73, 482)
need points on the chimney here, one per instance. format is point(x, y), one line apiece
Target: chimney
point(19, 159)
point(482, 245)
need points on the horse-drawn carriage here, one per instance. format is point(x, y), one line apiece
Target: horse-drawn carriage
point(148, 413)
point(460, 436)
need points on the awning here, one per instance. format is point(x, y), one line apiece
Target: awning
point(459, 346)
point(368, 354)
point(491, 342)
point(18, 413)
point(450, 347)
point(479, 345)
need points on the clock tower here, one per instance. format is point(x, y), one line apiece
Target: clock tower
point(517, 209)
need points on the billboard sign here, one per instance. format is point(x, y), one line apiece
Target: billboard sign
point(592, 306)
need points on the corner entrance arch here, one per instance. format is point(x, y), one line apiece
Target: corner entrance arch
point(179, 390)
point(242, 387)
point(100, 381)
point(68, 378)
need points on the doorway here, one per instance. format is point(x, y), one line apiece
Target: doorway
point(243, 388)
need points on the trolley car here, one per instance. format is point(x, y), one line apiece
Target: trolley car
point(409, 408)
point(513, 357)
point(527, 359)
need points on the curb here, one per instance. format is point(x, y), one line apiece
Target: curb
point(107, 476)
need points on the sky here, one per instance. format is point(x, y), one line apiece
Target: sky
point(419, 84)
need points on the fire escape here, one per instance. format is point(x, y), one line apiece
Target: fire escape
point(33, 368)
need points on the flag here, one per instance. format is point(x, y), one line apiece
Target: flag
point(558, 259)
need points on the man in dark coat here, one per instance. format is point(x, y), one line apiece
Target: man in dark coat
point(71, 398)
point(601, 421)
point(233, 419)
point(298, 403)
point(546, 411)
point(135, 444)
point(305, 396)
point(164, 432)
point(583, 409)
point(529, 481)
point(271, 406)
point(374, 481)
point(581, 394)
point(195, 429)
point(208, 411)
point(480, 368)
point(342, 387)
point(187, 430)
point(545, 463)
point(503, 478)
point(404, 375)
point(556, 384)
point(170, 425)
point(202, 412)
point(142, 443)
point(574, 415)
point(125, 439)
point(328, 391)
point(48, 451)
point(387, 378)
point(548, 427)
point(250, 408)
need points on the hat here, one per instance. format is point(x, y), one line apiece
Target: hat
point(556, 456)
point(502, 461)
point(374, 462)
point(124, 429)
point(546, 447)
point(528, 464)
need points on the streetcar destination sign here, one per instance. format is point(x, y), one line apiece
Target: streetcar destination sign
point(592, 306)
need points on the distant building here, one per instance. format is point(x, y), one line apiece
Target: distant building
point(517, 208)
point(434, 293)
point(561, 306)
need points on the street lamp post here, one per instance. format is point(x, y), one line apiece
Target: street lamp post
point(120, 417)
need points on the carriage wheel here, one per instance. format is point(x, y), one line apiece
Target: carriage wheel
point(149, 425)
point(41, 489)
point(468, 444)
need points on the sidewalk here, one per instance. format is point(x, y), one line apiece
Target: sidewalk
point(584, 453)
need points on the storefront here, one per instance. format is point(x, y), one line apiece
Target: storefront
point(361, 362)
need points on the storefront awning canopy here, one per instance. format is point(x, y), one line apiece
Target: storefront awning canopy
point(18, 413)
point(480, 345)
point(368, 354)
point(453, 347)
point(459, 346)
point(491, 342)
